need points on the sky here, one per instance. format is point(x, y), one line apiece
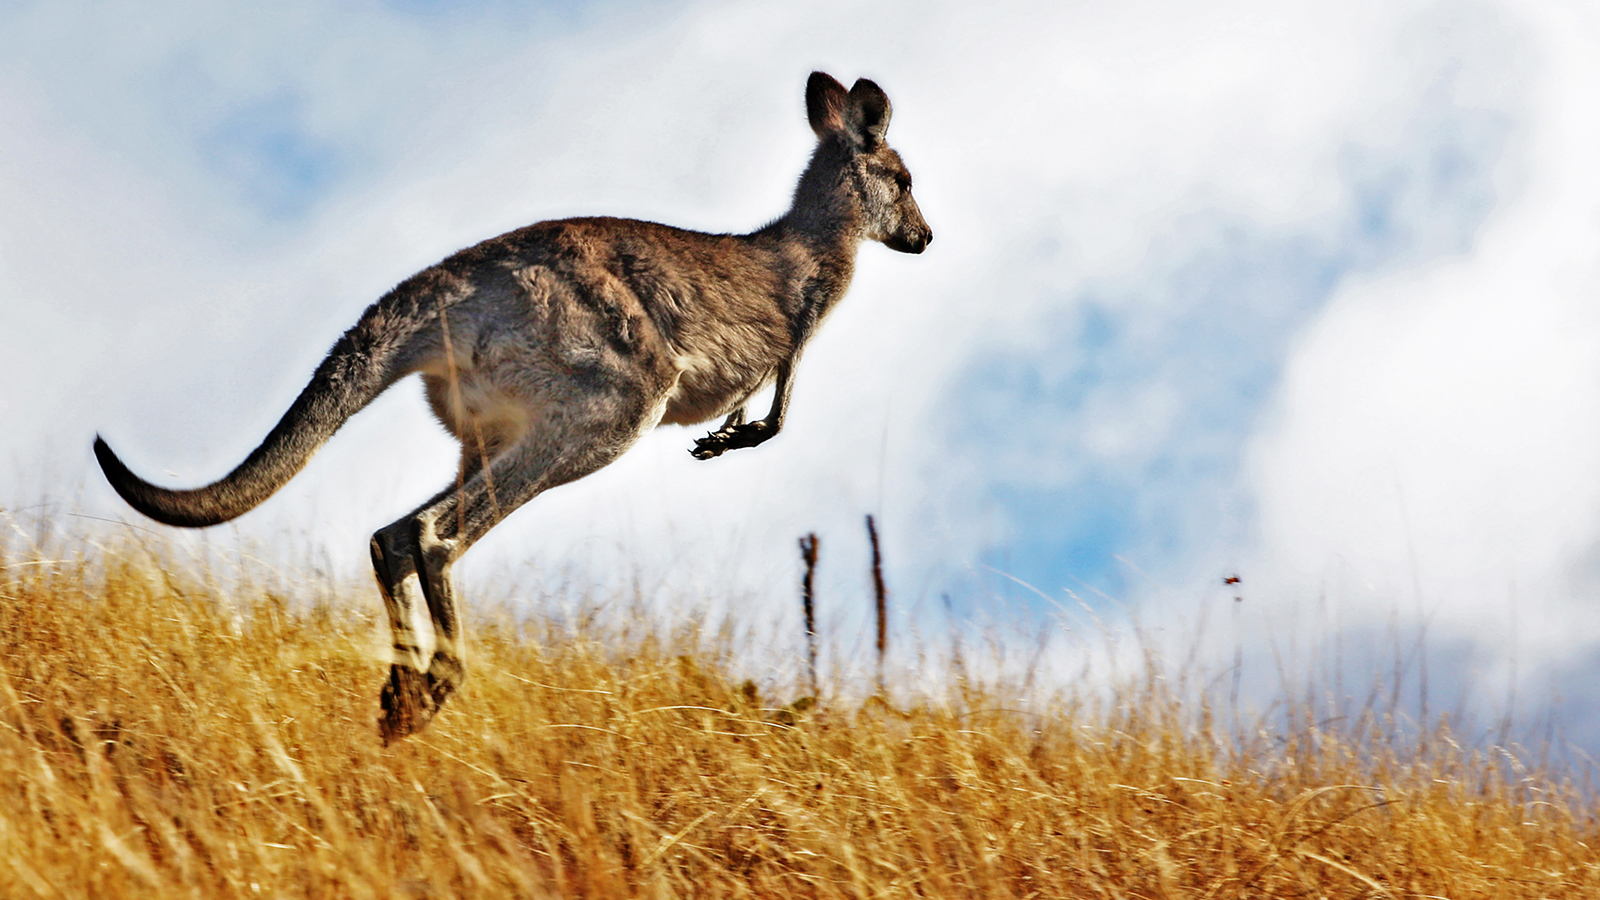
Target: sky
point(1301, 293)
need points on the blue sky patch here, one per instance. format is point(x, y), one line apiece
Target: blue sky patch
point(265, 151)
point(1188, 351)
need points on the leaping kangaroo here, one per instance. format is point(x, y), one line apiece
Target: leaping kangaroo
point(549, 350)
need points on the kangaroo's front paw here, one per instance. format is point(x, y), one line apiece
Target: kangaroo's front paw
point(748, 434)
point(710, 446)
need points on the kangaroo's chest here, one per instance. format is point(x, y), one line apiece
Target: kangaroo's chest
point(710, 387)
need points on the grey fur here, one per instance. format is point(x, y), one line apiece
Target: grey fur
point(549, 350)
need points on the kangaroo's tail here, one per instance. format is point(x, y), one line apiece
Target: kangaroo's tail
point(366, 361)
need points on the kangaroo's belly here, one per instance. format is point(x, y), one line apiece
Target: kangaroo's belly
point(473, 409)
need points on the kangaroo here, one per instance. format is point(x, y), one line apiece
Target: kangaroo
point(551, 349)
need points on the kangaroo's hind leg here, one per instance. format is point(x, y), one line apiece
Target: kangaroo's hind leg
point(420, 681)
point(395, 555)
point(413, 556)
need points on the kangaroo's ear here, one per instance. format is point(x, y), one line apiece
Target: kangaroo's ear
point(826, 102)
point(868, 115)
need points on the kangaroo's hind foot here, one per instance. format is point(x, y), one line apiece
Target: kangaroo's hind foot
point(411, 699)
point(408, 705)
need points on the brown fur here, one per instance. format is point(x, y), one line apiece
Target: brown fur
point(549, 350)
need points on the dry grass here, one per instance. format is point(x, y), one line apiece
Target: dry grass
point(160, 740)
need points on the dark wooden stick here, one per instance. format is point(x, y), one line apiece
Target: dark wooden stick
point(880, 596)
point(808, 553)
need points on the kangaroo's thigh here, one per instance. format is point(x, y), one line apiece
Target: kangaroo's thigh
point(561, 446)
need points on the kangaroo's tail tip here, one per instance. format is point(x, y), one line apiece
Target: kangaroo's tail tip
point(160, 504)
point(128, 486)
point(115, 471)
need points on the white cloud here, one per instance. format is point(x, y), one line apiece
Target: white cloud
point(1449, 411)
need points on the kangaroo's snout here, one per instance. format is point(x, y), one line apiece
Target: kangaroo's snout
point(915, 242)
point(913, 245)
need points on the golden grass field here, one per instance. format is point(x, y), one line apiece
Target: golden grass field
point(163, 737)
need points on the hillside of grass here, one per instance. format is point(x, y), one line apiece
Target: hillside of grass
point(164, 736)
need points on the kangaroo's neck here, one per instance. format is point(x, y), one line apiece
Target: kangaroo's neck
point(819, 236)
point(824, 212)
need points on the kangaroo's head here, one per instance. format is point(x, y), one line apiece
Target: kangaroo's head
point(858, 169)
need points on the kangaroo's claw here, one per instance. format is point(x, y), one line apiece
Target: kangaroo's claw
point(747, 434)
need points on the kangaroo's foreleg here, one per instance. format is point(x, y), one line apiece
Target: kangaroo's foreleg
point(736, 433)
